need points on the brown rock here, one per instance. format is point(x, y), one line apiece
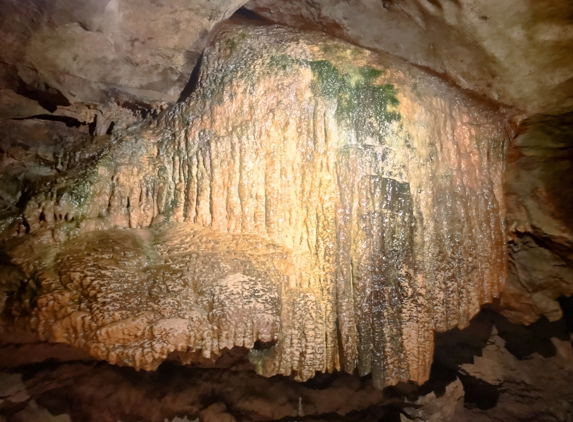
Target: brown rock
point(540, 209)
point(432, 408)
point(94, 51)
point(536, 388)
point(333, 204)
point(15, 106)
point(513, 52)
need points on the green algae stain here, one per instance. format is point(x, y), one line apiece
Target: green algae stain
point(283, 62)
point(233, 43)
point(369, 73)
point(79, 194)
point(361, 103)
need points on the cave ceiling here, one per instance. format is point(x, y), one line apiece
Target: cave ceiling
point(513, 52)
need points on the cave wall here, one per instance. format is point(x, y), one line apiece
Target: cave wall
point(318, 198)
point(492, 370)
point(540, 205)
point(513, 52)
point(93, 213)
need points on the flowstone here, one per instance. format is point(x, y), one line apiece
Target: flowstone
point(325, 207)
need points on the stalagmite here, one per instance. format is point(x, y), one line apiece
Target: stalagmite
point(325, 207)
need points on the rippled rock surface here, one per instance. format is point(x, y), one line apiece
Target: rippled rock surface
point(325, 207)
point(539, 177)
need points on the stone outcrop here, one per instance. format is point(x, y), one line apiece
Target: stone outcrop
point(434, 407)
point(493, 370)
point(60, 52)
point(539, 177)
point(511, 52)
point(311, 201)
point(285, 203)
point(126, 72)
point(56, 53)
point(103, 64)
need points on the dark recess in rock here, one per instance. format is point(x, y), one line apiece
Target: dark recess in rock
point(479, 393)
point(193, 81)
point(47, 97)
point(566, 304)
point(69, 121)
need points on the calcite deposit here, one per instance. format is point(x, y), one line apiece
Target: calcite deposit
point(492, 370)
point(320, 205)
point(512, 52)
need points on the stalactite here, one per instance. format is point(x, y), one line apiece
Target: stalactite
point(335, 205)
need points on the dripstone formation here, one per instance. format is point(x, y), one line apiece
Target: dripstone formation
point(311, 201)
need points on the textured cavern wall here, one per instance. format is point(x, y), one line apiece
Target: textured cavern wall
point(102, 63)
point(85, 51)
point(511, 51)
point(540, 205)
point(309, 195)
point(493, 370)
point(110, 58)
point(72, 271)
point(99, 63)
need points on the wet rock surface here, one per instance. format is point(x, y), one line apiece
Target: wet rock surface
point(513, 52)
point(492, 370)
point(198, 237)
point(309, 194)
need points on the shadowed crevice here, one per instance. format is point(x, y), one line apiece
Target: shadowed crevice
point(479, 393)
point(48, 97)
point(193, 81)
point(69, 121)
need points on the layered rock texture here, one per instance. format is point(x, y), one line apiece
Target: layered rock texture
point(202, 201)
point(311, 201)
point(514, 52)
point(101, 64)
point(540, 209)
point(100, 54)
point(493, 370)
point(115, 57)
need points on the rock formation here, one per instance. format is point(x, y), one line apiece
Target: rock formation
point(309, 196)
point(540, 206)
point(203, 201)
point(499, 370)
point(510, 52)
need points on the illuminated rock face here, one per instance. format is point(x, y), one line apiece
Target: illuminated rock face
point(334, 205)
